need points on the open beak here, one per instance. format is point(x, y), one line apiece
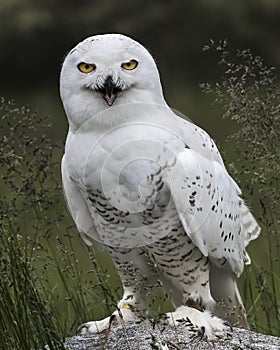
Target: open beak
point(109, 90)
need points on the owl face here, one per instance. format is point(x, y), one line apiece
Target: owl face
point(107, 69)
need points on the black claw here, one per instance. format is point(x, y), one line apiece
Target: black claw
point(226, 323)
point(181, 320)
point(160, 319)
point(80, 328)
point(189, 323)
point(229, 335)
point(201, 332)
point(113, 318)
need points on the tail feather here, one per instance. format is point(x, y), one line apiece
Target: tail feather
point(251, 228)
point(223, 283)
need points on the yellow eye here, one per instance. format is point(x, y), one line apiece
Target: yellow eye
point(86, 67)
point(132, 64)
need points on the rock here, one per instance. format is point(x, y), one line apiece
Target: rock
point(144, 336)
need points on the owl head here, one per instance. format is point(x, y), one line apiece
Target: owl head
point(106, 70)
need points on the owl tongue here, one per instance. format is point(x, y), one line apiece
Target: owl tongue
point(109, 90)
point(109, 98)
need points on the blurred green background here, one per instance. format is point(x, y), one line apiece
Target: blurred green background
point(34, 38)
point(36, 35)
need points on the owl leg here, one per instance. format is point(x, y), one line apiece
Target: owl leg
point(190, 295)
point(137, 276)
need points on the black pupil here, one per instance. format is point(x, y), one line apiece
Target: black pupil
point(87, 66)
point(128, 64)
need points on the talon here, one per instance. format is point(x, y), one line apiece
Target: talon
point(229, 335)
point(226, 323)
point(82, 329)
point(189, 322)
point(160, 319)
point(113, 319)
point(181, 320)
point(201, 332)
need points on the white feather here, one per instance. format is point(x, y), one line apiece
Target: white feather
point(133, 171)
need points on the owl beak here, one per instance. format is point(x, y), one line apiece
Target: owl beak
point(109, 90)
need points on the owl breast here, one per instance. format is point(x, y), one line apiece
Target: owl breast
point(133, 206)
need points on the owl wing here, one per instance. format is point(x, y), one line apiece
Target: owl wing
point(208, 202)
point(77, 206)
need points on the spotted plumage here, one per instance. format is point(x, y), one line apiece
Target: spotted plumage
point(151, 189)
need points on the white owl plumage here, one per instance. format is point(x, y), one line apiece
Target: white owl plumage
point(151, 188)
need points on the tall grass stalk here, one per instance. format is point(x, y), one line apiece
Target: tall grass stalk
point(26, 321)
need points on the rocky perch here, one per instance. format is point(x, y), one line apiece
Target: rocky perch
point(144, 336)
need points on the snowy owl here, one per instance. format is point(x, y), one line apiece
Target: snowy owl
point(151, 189)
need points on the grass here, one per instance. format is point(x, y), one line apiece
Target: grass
point(50, 282)
point(249, 94)
point(27, 319)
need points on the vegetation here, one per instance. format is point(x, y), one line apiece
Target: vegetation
point(249, 94)
point(27, 321)
point(49, 286)
point(45, 293)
